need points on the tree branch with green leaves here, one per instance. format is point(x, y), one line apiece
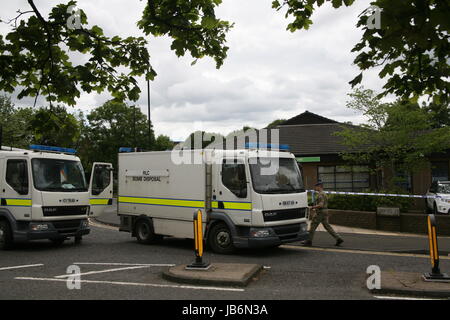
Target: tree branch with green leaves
point(412, 44)
point(36, 57)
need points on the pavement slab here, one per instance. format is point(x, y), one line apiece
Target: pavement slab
point(411, 284)
point(223, 274)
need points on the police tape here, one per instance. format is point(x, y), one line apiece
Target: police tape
point(379, 194)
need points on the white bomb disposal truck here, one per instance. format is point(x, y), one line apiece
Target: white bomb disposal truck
point(251, 197)
point(44, 194)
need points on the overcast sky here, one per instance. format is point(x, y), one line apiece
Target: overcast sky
point(270, 73)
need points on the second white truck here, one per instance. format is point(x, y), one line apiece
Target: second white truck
point(251, 197)
point(44, 194)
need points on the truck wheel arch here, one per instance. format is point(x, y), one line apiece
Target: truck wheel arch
point(218, 217)
point(6, 215)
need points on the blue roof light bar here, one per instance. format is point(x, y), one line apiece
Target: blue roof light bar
point(36, 147)
point(125, 149)
point(281, 147)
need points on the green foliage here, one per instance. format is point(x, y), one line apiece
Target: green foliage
point(412, 44)
point(397, 135)
point(54, 126)
point(439, 113)
point(109, 127)
point(37, 55)
point(369, 203)
point(192, 25)
point(15, 123)
point(163, 143)
point(48, 126)
point(275, 123)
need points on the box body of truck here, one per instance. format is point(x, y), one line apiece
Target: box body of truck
point(162, 190)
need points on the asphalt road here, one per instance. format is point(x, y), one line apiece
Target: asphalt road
point(118, 267)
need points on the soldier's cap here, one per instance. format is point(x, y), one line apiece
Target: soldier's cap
point(319, 184)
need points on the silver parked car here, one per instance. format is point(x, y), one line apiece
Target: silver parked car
point(441, 204)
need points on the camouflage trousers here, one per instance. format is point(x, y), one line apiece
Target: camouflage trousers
point(318, 218)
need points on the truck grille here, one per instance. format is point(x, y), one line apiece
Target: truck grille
point(277, 215)
point(67, 226)
point(64, 211)
point(287, 230)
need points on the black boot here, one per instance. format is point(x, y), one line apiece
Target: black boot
point(338, 242)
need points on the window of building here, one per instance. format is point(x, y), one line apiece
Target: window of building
point(439, 171)
point(17, 176)
point(344, 178)
point(403, 180)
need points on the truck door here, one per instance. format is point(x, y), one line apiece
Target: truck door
point(100, 188)
point(232, 194)
point(15, 193)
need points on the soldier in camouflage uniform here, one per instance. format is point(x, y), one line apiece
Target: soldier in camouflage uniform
point(321, 216)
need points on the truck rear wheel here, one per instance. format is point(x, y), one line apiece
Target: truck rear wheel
point(144, 232)
point(6, 239)
point(220, 239)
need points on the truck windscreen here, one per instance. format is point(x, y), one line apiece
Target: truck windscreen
point(58, 175)
point(286, 179)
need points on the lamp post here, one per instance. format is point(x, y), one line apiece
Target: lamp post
point(149, 121)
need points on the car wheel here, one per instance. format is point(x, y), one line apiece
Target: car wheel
point(220, 239)
point(6, 239)
point(144, 232)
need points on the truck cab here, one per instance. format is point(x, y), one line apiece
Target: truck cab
point(44, 194)
point(263, 195)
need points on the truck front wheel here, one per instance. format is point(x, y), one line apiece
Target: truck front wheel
point(6, 238)
point(220, 239)
point(144, 232)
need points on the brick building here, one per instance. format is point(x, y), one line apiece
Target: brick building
point(312, 140)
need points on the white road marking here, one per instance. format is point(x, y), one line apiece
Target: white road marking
point(99, 271)
point(24, 266)
point(138, 284)
point(404, 298)
point(124, 264)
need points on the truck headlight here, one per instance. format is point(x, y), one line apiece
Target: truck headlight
point(259, 233)
point(39, 227)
